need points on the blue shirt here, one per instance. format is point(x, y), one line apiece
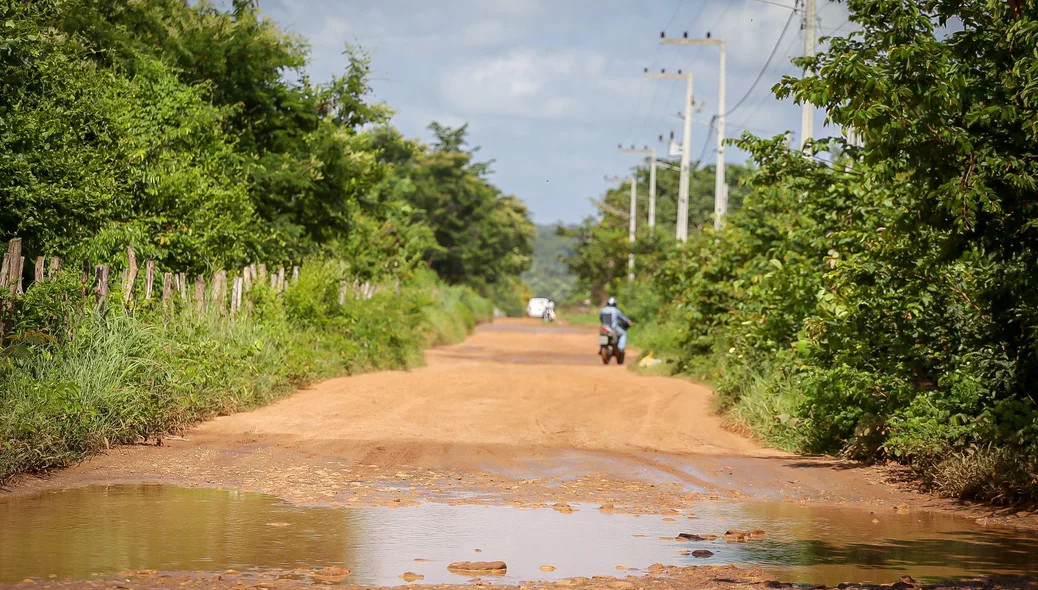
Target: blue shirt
point(612, 316)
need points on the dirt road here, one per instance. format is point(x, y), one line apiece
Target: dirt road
point(519, 415)
point(516, 404)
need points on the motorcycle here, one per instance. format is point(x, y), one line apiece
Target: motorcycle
point(549, 316)
point(608, 341)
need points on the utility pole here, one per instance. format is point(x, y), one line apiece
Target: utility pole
point(720, 183)
point(652, 179)
point(631, 225)
point(807, 119)
point(682, 224)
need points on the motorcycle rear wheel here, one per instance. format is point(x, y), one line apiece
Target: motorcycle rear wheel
point(605, 353)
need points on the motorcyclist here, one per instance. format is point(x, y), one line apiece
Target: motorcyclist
point(614, 319)
point(549, 311)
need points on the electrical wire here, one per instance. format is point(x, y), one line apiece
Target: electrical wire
point(774, 51)
point(768, 96)
point(779, 4)
point(699, 48)
point(670, 95)
point(709, 136)
point(641, 82)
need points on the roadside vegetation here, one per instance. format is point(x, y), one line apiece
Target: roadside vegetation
point(194, 135)
point(879, 302)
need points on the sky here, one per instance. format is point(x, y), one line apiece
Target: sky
point(549, 88)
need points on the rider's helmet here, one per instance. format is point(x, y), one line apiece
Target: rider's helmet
point(611, 302)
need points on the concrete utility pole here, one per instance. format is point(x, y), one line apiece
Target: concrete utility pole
point(807, 119)
point(632, 223)
point(682, 225)
point(720, 183)
point(652, 179)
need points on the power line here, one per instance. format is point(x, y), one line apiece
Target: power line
point(673, 62)
point(641, 81)
point(779, 4)
point(677, 9)
point(768, 95)
point(709, 135)
point(695, 54)
point(774, 51)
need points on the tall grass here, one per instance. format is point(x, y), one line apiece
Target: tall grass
point(123, 376)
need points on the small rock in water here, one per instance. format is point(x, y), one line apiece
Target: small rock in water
point(547, 568)
point(334, 570)
point(478, 566)
point(421, 560)
point(479, 551)
point(607, 507)
point(668, 519)
point(777, 584)
point(411, 577)
point(702, 553)
point(573, 582)
point(563, 507)
point(685, 552)
point(277, 524)
point(904, 583)
point(691, 537)
point(622, 568)
point(736, 536)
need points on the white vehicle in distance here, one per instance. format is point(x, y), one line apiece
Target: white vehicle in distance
point(536, 306)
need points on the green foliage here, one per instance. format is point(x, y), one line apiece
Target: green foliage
point(480, 237)
point(193, 134)
point(601, 244)
point(884, 303)
point(549, 276)
point(125, 376)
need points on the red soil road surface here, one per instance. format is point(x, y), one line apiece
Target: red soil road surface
point(516, 403)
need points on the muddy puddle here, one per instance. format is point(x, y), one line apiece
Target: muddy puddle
point(99, 531)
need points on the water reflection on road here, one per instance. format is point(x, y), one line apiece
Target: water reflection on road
point(105, 529)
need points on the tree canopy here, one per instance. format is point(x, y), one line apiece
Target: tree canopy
point(196, 135)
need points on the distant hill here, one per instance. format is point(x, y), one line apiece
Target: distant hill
point(549, 276)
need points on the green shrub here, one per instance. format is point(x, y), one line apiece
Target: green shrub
point(128, 375)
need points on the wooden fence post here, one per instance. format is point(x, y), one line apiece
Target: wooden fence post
point(149, 278)
point(5, 270)
point(219, 290)
point(182, 285)
point(295, 274)
point(236, 288)
point(281, 279)
point(13, 264)
point(167, 287)
point(200, 293)
point(132, 270)
point(55, 267)
point(247, 274)
point(261, 273)
point(37, 274)
point(101, 272)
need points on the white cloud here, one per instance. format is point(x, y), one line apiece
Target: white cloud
point(531, 83)
point(489, 33)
